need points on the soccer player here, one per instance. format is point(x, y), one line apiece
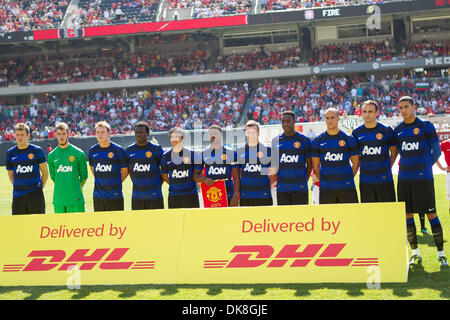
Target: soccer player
point(378, 151)
point(291, 155)
point(220, 162)
point(68, 170)
point(254, 168)
point(28, 172)
point(445, 148)
point(332, 152)
point(419, 149)
point(108, 163)
point(144, 160)
point(177, 168)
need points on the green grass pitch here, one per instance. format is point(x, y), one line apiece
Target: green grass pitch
point(428, 282)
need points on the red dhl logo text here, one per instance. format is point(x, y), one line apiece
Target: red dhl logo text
point(105, 259)
point(253, 256)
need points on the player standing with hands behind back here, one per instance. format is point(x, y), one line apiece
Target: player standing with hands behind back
point(419, 149)
point(68, 170)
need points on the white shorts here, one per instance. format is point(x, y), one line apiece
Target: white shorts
point(448, 185)
point(315, 194)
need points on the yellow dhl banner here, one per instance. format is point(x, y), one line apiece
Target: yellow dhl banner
point(289, 244)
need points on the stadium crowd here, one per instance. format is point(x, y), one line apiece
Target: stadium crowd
point(118, 65)
point(189, 108)
point(98, 12)
point(110, 66)
point(31, 15)
point(222, 104)
point(212, 8)
point(310, 99)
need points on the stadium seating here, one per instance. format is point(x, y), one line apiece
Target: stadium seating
point(190, 108)
point(212, 8)
point(105, 12)
point(310, 99)
point(30, 15)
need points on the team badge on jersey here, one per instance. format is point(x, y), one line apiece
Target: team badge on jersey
point(111, 155)
point(259, 154)
point(224, 157)
point(148, 154)
point(186, 160)
point(416, 131)
point(379, 136)
point(30, 156)
point(296, 145)
point(342, 143)
point(71, 158)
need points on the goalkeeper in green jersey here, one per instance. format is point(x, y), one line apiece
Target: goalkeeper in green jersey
point(68, 170)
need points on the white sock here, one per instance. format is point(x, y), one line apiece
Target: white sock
point(441, 254)
point(416, 252)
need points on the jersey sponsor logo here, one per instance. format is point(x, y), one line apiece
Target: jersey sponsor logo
point(71, 158)
point(111, 155)
point(24, 169)
point(141, 167)
point(379, 136)
point(216, 171)
point(334, 156)
point(342, 143)
point(30, 156)
point(252, 167)
point(370, 151)
point(288, 158)
point(180, 174)
point(410, 146)
point(297, 145)
point(103, 167)
point(148, 154)
point(416, 131)
point(62, 168)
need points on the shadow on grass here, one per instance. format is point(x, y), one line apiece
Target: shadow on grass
point(418, 279)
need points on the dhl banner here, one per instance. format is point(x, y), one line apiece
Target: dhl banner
point(289, 244)
point(295, 244)
point(105, 248)
point(214, 196)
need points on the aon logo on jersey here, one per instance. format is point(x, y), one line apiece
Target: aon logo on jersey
point(370, 151)
point(410, 146)
point(334, 156)
point(288, 158)
point(216, 171)
point(103, 167)
point(180, 174)
point(24, 169)
point(62, 168)
point(252, 167)
point(141, 167)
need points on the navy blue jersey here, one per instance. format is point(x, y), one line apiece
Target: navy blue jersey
point(144, 163)
point(107, 164)
point(289, 156)
point(219, 165)
point(254, 163)
point(334, 152)
point(374, 144)
point(25, 164)
point(180, 168)
point(414, 142)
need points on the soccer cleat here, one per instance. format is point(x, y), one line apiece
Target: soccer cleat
point(415, 259)
point(443, 261)
point(425, 231)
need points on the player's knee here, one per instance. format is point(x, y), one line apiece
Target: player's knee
point(431, 216)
